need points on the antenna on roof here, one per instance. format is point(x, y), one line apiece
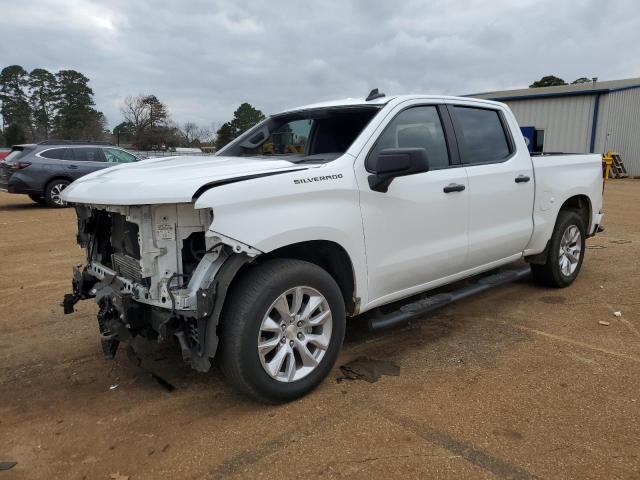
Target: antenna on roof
point(373, 94)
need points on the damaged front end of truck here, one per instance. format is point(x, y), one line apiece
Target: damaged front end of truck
point(157, 272)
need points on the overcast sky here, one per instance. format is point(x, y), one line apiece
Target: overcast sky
point(204, 57)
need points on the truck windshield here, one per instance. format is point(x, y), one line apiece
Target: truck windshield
point(319, 135)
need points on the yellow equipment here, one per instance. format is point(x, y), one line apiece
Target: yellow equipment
point(613, 166)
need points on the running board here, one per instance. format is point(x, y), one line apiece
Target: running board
point(428, 304)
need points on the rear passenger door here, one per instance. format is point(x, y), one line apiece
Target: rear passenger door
point(57, 162)
point(84, 160)
point(501, 186)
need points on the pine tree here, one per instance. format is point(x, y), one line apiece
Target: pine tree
point(224, 135)
point(245, 117)
point(76, 118)
point(13, 93)
point(43, 96)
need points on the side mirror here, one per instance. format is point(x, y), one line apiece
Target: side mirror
point(396, 162)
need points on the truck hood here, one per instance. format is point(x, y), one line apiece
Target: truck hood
point(169, 179)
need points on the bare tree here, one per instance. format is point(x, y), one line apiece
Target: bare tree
point(192, 133)
point(150, 120)
point(135, 112)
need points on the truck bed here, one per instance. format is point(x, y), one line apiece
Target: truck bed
point(559, 176)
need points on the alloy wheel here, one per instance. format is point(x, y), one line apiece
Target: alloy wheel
point(56, 192)
point(295, 334)
point(570, 250)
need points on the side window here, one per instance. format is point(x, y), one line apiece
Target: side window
point(55, 153)
point(68, 154)
point(416, 127)
point(483, 137)
point(115, 155)
point(88, 154)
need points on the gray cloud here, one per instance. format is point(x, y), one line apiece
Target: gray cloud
point(203, 58)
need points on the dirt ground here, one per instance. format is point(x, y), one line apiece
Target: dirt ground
point(520, 382)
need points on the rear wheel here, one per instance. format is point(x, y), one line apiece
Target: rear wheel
point(281, 330)
point(53, 192)
point(38, 199)
point(565, 254)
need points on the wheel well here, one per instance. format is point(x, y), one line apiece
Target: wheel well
point(579, 204)
point(582, 206)
point(327, 255)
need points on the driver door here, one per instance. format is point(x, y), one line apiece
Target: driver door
point(416, 232)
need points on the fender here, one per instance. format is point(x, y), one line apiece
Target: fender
point(319, 203)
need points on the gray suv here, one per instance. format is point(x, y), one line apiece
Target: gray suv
point(43, 170)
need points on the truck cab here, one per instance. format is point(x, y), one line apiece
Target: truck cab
point(261, 252)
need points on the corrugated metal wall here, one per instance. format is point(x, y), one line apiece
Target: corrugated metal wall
point(566, 120)
point(567, 123)
point(619, 127)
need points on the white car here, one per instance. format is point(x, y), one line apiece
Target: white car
point(320, 213)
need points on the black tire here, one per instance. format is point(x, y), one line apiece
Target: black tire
point(550, 274)
point(52, 190)
point(38, 199)
point(248, 302)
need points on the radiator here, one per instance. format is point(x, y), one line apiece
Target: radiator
point(127, 267)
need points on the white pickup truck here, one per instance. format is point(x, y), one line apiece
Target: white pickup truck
point(258, 254)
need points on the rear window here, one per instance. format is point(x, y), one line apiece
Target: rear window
point(484, 139)
point(15, 153)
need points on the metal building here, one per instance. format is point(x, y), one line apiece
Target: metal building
point(581, 118)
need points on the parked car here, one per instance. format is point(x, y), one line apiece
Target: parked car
point(4, 152)
point(43, 170)
point(260, 253)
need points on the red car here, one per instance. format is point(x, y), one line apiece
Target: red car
point(4, 153)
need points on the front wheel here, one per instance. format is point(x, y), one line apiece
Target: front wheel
point(281, 330)
point(565, 254)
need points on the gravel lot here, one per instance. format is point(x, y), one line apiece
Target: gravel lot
point(519, 382)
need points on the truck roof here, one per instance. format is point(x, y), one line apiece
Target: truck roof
point(355, 102)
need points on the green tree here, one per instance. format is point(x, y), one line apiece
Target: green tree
point(158, 112)
point(14, 135)
point(13, 93)
point(548, 81)
point(224, 135)
point(169, 136)
point(124, 132)
point(76, 118)
point(581, 80)
point(43, 96)
point(245, 117)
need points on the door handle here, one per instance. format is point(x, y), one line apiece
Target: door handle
point(522, 179)
point(453, 187)
point(73, 167)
